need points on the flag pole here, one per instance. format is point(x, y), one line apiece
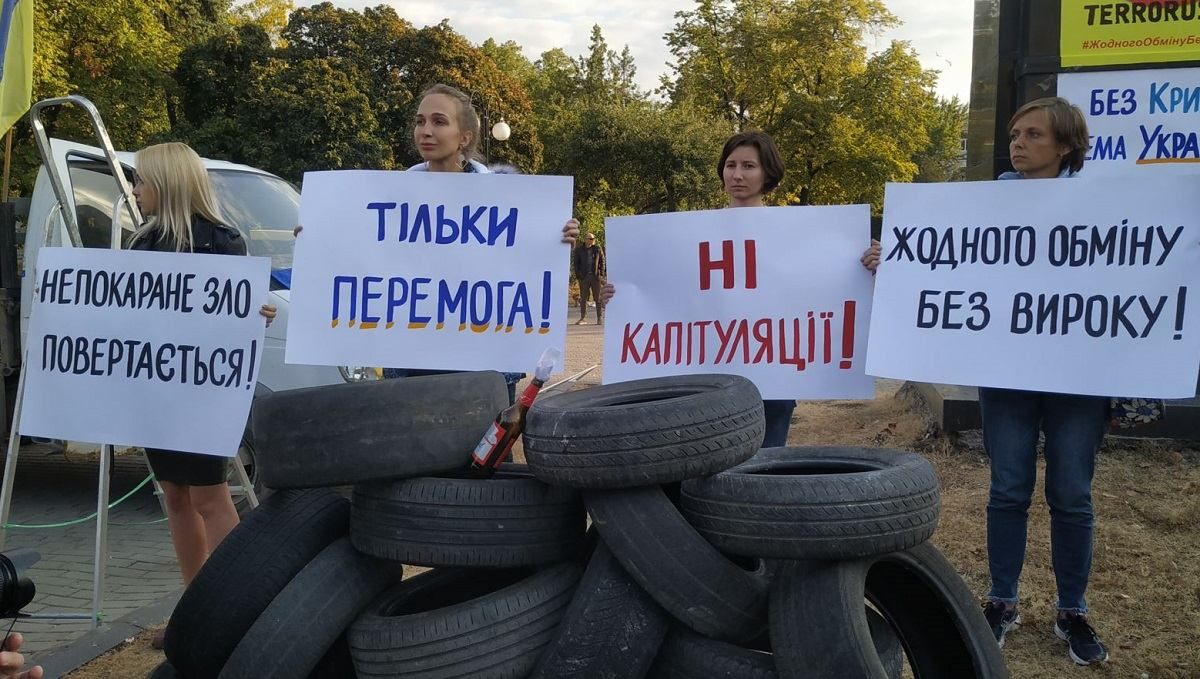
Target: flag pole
point(8, 141)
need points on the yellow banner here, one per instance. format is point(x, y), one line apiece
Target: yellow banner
point(1112, 32)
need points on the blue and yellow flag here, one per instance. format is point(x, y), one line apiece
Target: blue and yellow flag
point(16, 67)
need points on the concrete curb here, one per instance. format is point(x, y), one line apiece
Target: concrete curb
point(95, 644)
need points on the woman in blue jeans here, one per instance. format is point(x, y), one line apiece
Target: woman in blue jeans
point(1048, 138)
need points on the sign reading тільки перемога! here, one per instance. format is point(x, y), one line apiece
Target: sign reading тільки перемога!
point(1063, 285)
point(437, 270)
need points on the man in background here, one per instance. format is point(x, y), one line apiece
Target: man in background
point(587, 262)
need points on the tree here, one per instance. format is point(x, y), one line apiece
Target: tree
point(245, 103)
point(394, 62)
point(309, 115)
point(269, 15)
point(215, 76)
point(942, 159)
point(799, 70)
point(437, 54)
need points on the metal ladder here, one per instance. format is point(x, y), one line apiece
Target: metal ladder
point(67, 218)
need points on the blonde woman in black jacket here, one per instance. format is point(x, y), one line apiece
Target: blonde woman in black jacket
point(174, 195)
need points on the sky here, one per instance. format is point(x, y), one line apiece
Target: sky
point(941, 32)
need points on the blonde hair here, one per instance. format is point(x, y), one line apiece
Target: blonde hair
point(1067, 124)
point(177, 175)
point(468, 118)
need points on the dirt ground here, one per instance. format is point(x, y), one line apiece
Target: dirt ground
point(1145, 588)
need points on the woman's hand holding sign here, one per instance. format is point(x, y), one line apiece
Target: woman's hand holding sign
point(870, 258)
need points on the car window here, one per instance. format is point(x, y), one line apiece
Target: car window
point(265, 207)
point(95, 192)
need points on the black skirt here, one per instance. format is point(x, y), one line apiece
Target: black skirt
point(187, 469)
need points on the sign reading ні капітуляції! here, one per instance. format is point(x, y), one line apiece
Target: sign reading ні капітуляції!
point(434, 270)
point(1118, 32)
point(1139, 121)
point(155, 349)
point(775, 294)
point(1062, 285)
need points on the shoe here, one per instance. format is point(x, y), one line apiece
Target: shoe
point(582, 321)
point(159, 639)
point(1002, 619)
point(1083, 644)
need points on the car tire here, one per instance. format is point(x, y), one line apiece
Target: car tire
point(304, 620)
point(462, 623)
point(930, 608)
point(612, 629)
point(686, 655)
point(344, 434)
point(686, 575)
point(644, 432)
point(510, 519)
point(245, 573)
point(816, 503)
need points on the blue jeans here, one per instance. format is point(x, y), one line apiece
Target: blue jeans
point(779, 420)
point(1074, 428)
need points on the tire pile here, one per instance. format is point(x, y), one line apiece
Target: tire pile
point(706, 557)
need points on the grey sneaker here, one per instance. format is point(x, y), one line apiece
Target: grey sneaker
point(1083, 645)
point(1002, 619)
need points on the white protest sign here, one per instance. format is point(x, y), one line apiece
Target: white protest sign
point(144, 348)
point(452, 271)
point(777, 295)
point(1139, 121)
point(1062, 285)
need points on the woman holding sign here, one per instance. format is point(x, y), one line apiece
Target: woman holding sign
point(1048, 138)
point(446, 132)
point(750, 167)
point(173, 193)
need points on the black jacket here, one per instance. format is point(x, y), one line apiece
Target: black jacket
point(588, 262)
point(217, 239)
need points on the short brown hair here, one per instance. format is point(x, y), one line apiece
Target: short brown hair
point(1066, 123)
point(768, 156)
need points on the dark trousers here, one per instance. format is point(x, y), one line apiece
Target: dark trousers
point(1074, 428)
point(590, 286)
point(778, 414)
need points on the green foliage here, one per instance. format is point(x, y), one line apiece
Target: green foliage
point(942, 159)
point(846, 122)
point(322, 87)
point(269, 15)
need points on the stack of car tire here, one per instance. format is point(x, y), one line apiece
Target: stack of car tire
point(706, 557)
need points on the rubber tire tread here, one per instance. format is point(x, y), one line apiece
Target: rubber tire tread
point(686, 575)
point(685, 655)
point(612, 629)
point(495, 635)
point(243, 575)
point(936, 617)
point(164, 671)
point(755, 510)
point(342, 434)
point(644, 432)
point(305, 620)
point(508, 520)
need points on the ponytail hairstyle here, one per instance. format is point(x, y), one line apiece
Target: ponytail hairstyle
point(468, 119)
point(177, 175)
